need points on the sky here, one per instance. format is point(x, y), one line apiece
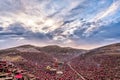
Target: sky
point(84, 24)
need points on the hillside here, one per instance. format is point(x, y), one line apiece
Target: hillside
point(26, 58)
point(62, 53)
point(99, 64)
point(34, 59)
point(26, 52)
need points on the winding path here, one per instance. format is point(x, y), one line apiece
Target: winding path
point(75, 71)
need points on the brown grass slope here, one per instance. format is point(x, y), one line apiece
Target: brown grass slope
point(41, 54)
point(62, 53)
point(26, 52)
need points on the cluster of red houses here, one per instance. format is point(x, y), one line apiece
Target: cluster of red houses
point(50, 71)
point(8, 71)
point(105, 67)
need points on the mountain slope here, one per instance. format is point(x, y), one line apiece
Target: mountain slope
point(52, 51)
point(34, 59)
point(62, 53)
point(99, 64)
point(25, 52)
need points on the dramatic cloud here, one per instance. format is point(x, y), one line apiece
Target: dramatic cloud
point(64, 22)
point(111, 10)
